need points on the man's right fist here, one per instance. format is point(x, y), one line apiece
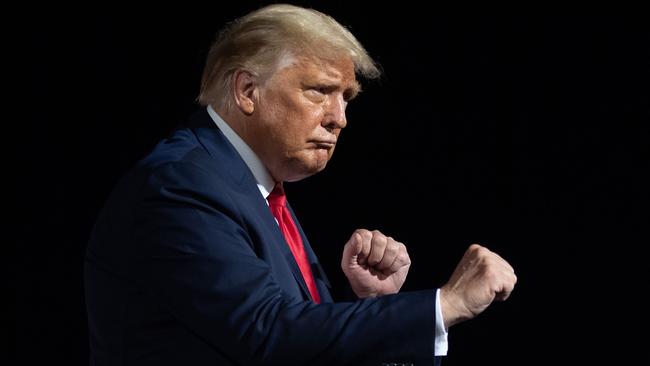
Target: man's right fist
point(481, 277)
point(375, 264)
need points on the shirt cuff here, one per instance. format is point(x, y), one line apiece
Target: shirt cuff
point(440, 342)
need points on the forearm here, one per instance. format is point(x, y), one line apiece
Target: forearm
point(390, 328)
point(260, 326)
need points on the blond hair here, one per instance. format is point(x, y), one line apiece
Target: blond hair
point(257, 41)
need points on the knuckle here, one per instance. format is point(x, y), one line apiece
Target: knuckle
point(405, 261)
point(474, 247)
point(362, 231)
point(380, 242)
point(365, 234)
point(404, 258)
point(484, 254)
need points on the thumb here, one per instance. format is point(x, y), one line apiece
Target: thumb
point(351, 251)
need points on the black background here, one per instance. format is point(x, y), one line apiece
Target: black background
point(528, 134)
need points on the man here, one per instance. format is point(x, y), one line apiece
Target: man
point(196, 258)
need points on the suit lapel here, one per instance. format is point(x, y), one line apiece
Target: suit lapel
point(244, 182)
point(278, 238)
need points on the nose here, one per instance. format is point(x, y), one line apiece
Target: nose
point(335, 113)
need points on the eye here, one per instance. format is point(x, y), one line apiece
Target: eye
point(321, 90)
point(317, 93)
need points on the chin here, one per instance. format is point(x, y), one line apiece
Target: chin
point(305, 169)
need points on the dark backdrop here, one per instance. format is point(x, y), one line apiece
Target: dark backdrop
point(528, 134)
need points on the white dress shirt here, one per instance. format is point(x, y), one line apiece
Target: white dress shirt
point(265, 184)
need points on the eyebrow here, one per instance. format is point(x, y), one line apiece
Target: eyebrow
point(353, 90)
point(349, 93)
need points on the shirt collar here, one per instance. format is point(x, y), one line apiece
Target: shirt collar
point(265, 182)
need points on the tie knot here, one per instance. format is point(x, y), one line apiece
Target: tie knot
point(277, 196)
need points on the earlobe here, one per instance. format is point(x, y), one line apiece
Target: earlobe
point(247, 106)
point(245, 91)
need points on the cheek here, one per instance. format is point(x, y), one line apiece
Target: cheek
point(301, 123)
point(309, 119)
point(292, 121)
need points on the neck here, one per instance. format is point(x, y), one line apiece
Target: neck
point(243, 126)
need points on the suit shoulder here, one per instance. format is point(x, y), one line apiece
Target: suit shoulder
point(178, 161)
point(181, 145)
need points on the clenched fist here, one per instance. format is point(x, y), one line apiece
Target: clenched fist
point(481, 277)
point(374, 264)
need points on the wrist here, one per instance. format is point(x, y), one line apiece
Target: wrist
point(452, 312)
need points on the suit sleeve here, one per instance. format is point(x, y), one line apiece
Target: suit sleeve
point(195, 256)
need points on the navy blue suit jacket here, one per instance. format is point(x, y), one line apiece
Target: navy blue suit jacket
point(187, 266)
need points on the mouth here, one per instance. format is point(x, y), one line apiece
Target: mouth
point(323, 144)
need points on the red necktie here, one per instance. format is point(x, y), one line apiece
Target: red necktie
point(278, 204)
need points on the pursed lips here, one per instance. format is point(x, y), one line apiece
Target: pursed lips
point(324, 144)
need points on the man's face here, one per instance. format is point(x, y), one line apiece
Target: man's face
point(300, 114)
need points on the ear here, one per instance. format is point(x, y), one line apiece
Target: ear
point(245, 91)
